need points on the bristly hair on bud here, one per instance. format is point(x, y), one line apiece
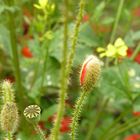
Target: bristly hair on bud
point(7, 91)
point(90, 73)
point(9, 117)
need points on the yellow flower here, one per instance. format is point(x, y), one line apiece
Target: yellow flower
point(45, 6)
point(119, 48)
point(41, 4)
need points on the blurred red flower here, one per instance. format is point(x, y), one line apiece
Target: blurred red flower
point(85, 18)
point(129, 54)
point(133, 137)
point(65, 123)
point(26, 52)
point(101, 28)
point(136, 114)
point(136, 12)
point(42, 125)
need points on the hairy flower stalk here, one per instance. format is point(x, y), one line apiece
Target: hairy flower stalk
point(32, 114)
point(66, 68)
point(9, 118)
point(90, 73)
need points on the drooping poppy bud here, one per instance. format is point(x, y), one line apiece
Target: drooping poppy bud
point(90, 73)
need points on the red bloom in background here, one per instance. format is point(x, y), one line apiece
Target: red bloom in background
point(136, 114)
point(133, 137)
point(85, 18)
point(26, 52)
point(101, 28)
point(136, 12)
point(42, 125)
point(129, 54)
point(65, 123)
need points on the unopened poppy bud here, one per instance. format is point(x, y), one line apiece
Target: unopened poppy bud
point(9, 117)
point(90, 73)
point(7, 91)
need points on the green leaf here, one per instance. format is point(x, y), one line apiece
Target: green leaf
point(49, 112)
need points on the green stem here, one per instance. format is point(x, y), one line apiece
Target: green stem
point(95, 121)
point(10, 136)
point(76, 114)
point(124, 128)
point(39, 131)
point(55, 130)
point(75, 38)
point(116, 20)
point(11, 26)
point(45, 66)
point(115, 122)
point(137, 50)
point(117, 128)
point(67, 66)
point(125, 85)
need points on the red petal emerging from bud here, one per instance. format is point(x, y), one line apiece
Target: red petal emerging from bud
point(90, 72)
point(84, 69)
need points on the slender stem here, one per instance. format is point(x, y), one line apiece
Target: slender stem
point(116, 20)
point(65, 73)
point(47, 21)
point(124, 128)
point(114, 123)
point(115, 130)
point(39, 131)
point(10, 136)
point(95, 121)
point(55, 130)
point(11, 26)
point(75, 37)
point(137, 50)
point(45, 66)
point(76, 114)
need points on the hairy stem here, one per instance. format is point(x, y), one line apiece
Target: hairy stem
point(75, 37)
point(66, 68)
point(55, 130)
point(39, 131)
point(76, 114)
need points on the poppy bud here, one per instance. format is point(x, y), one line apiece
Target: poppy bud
point(90, 73)
point(9, 117)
